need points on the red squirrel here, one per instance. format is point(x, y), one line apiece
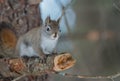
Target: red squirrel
point(39, 41)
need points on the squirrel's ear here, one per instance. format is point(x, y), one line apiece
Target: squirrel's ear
point(47, 20)
point(58, 21)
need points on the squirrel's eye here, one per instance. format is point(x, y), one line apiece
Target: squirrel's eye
point(48, 28)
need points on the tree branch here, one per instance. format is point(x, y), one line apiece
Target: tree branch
point(111, 77)
point(20, 67)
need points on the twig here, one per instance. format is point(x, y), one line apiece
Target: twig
point(18, 78)
point(66, 21)
point(64, 14)
point(116, 6)
point(111, 77)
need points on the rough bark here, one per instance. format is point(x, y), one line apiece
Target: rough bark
point(23, 15)
point(18, 67)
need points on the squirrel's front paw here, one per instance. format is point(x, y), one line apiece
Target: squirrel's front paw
point(43, 58)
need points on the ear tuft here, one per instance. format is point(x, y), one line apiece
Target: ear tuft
point(58, 21)
point(47, 20)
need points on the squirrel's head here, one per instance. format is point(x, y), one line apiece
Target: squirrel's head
point(51, 28)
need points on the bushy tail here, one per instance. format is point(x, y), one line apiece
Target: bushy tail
point(8, 40)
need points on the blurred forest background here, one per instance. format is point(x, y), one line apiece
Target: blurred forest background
point(95, 43)
point(96, 39)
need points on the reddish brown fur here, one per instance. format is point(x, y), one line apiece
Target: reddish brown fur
point(8, 38)
point(8, 42)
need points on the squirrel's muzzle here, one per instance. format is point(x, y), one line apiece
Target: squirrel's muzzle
point(54, 35)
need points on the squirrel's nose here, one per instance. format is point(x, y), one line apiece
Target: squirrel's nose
point(55, 35)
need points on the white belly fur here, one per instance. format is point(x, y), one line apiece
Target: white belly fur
point(48, 45)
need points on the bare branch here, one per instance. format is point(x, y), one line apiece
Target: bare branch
point(116, 6)
point(111, 77)
point(18, 78)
